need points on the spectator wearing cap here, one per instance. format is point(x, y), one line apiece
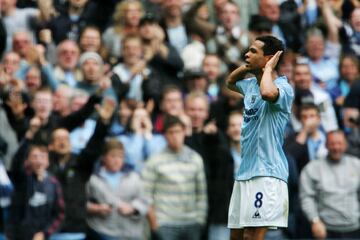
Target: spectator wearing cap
point(91, 65)
point(303, 81)
point(126, 19)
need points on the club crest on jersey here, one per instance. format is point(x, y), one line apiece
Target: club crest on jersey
point(253, 98)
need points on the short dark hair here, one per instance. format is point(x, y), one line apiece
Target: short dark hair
point(308, 106)
point(37, 145)
point(168, 89)
point(171, 121)
point(271, 44)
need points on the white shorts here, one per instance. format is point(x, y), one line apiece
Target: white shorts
point(259, 202)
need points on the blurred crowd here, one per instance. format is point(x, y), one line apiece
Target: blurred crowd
point(115, 122)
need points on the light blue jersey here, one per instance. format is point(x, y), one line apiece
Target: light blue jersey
point(263, 131)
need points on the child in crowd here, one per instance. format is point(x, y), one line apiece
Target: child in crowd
point(116, 204)
point(37, 206)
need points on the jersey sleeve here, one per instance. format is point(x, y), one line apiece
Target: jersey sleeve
point(243, 85)
point(286, 97)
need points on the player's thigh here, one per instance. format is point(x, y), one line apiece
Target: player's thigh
point(254, 233)
point(236, 234)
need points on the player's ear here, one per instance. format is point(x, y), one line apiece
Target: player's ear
point(268, 57)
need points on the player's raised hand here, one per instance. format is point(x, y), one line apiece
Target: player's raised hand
point(273, 60)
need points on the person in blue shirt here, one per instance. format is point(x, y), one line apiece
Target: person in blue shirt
point(260, 195)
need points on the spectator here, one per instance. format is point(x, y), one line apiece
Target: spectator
point(74, 170)
point(349, 74)
point(177, 170)
point(121, 122)
point(66, 70)
point(347, 30)
point(140, 141)
point(11, 63)
point(195, 81)
point(173, 24)
point(199, 31)
point(285, 30)
point(8, 138)
point(80, 136)
point(309, 143)
point(218, 163)
point(211, 66)
point(171, 104)
point(21, 42)
point(327, 182)
point(70, 21)
point(35, 57)
point(324, 68)
point(228, 102)
point(234, 133)
point(92, 67)
point(42, 106)
point(159, 54)
point(134, 78)
point(116, 202)
point(303, 82)
point(18, 19)
point(33, 80)
point(126, 20)
point(230, 40)
point(61, 100)
point(259, 26)
point(37, 206)
point(90, 41)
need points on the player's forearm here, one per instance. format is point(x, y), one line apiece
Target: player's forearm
point(268, 89)
point(237, 75)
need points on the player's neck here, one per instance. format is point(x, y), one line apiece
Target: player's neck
point(258, 74)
